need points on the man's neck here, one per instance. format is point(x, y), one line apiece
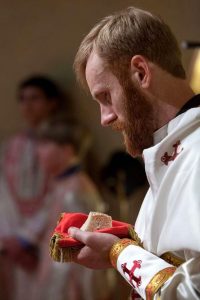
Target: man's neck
point(170, 97)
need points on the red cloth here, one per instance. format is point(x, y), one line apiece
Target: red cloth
point(118, 228)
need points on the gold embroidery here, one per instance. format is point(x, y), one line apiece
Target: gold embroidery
point(61, 254)
point(157, 281)
point(54, 250)
point(172, 259)
point(133, 234)
point(118, 247)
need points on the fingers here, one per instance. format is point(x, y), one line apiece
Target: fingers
point(95, 253)
point(78, 234)
point(90, 239)
point(95, 240)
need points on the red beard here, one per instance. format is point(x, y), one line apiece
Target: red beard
point(138, 126)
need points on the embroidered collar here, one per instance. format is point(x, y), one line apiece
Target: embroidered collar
point(162, 132)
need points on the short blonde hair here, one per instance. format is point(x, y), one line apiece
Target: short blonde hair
point(118, 37)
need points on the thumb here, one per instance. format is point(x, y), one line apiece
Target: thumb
point(78, 234)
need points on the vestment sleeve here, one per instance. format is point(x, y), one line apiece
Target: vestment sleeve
point(185, 282)
point(154, 278)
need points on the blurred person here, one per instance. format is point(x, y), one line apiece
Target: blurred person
point(131, 64)
point(24, 188)
point(124, 185)
point(62, 147)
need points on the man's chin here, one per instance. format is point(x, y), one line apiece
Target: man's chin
point(132, 150)
point(134, 153)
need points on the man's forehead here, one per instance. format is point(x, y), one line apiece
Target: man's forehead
point(95, 71)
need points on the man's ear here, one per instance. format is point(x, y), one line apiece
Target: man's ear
point(140, 71)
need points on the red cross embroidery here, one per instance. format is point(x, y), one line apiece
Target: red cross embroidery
point(136, 265)
point(166, 157)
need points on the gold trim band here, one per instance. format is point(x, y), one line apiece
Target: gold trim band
point(134, 236)
point(157, 281)
point(172, 259)
point(117, 248)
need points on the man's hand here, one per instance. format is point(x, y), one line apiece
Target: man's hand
point(95, 253)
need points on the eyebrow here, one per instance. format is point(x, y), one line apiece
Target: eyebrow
point(101, 88)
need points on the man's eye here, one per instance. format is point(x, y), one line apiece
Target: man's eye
point(103, 98)
point(106, 98)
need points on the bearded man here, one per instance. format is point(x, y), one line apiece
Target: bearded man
point(131, 64)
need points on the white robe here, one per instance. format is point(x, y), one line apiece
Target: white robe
point(169, 219)
point(22, 184)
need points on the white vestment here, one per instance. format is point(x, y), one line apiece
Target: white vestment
point(169, 219)
point(24, 206)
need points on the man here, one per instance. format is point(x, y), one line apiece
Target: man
point(131, 64)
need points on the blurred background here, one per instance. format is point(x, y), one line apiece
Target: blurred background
point(41, 38)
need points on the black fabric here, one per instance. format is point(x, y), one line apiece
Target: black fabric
point(193, 102)
point(122, 169)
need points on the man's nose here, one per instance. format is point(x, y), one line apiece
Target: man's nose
point(107, 115)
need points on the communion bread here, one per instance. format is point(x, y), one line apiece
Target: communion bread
point(97, 221)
